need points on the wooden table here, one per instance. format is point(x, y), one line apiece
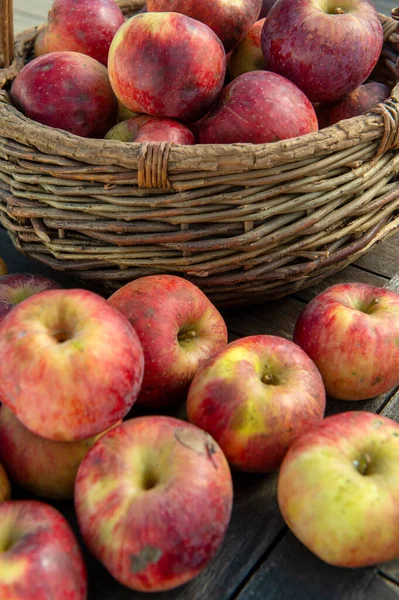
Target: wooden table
point(260, 559)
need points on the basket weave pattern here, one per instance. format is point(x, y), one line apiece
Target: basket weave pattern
point(244, 222)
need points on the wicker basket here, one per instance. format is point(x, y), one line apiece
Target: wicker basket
point(244, 222)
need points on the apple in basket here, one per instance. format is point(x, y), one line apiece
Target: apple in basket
point(327, 49)
point(3, 267)
point(229, 19)
point(70, 364)
point(248, 55)
point(44, 467)
point(86, 26)
point(18, 286)
point(144, 128)
point(39, 555)
point(351, 332)
point(67, 90)
point(167, 65)
point(338, 489)
point(178, 327)
point(255, 397)
point(153, 499)
point(250, 110)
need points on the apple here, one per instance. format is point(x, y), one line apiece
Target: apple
point(248, 55)
point(351, 332)
point(39, 555)
point(327, 49)
point(70, 364)
point(5, 488)
point(67, 90)
point(255, 396)
point(124, 113)
point(338, 489)
point(45, 468)
point(16, 287)
point(144, 128)
point(38, 47)
point(86, 26)
point(167, 65)
point(153, 499)
point(266, 6)
point(178, 327)
point(358, 102)
point(250, 110)
point(3, 267)
point(229, 19)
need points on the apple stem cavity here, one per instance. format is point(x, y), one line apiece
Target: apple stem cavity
point(339, 11)
point(269, 378)
point(362, 465)
point(187, 335)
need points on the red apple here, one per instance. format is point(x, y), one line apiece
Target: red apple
point(327, 49)
point(248, 55)
point(70, 364)
point(266, 6)
point(358, 102)
point(39, 555)
point(167, 65)
point(18, 286)
point(67, 90)
point(86, 26)
point(178, 327)
point(255, 397)
point(338, 489)
point(143, 128)
point(153, 499)
point(5, 488)
point(351, 332)
point(229, 19)
point(45, 468)
point(250, 110)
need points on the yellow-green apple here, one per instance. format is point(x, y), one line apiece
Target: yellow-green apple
point(16, 287)
point(229, 19)
point(327, 49)
point(39, 555)
point(248, 55)
point(86, 26)
point(351, 332)
point(44, 467)
point(255, 397)
point(250, 110)
point(338, 489)
point(266, 6)
point(38, 47)
point(153, 499)
point(67, 90)
point(5, 488)
point(124, 113)
point(144, 128)
point(358, 102)
point(3, 267)
point(70, 364)
point(178, 327)
point(167, 65)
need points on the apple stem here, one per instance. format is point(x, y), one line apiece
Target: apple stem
point(187, 335)
point(338, 11)
point(363, 464)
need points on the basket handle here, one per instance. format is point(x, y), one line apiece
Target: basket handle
point(6, 33)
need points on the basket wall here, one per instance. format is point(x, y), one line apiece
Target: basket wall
point(244, 222)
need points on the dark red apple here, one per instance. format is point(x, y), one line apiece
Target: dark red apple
point(67, 90)
point(151, 129)
point(250, 110)
point(167, 65)
point(86, 26)
point(358, 102)
point(327, 49)
point(229, 19)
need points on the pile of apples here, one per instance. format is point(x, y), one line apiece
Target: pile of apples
point(208, 72)
point(153, 493)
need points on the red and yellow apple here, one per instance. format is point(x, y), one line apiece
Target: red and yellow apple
point(255, 397)
point(67, 90)
point(39, 555)
point(229, 19)
point(16, 287)
point(338, 489)
point(144, 128)
point(351, 332)
point(44, 467)
point(250, 110)
point(153, 499)
point(70, 364)
point(86, 26)
point(248, 55)
point(327, 49)
point(179, 329)
point(167, 65)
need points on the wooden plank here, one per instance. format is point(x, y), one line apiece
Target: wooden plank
point(383, 589)
point(384, 263)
